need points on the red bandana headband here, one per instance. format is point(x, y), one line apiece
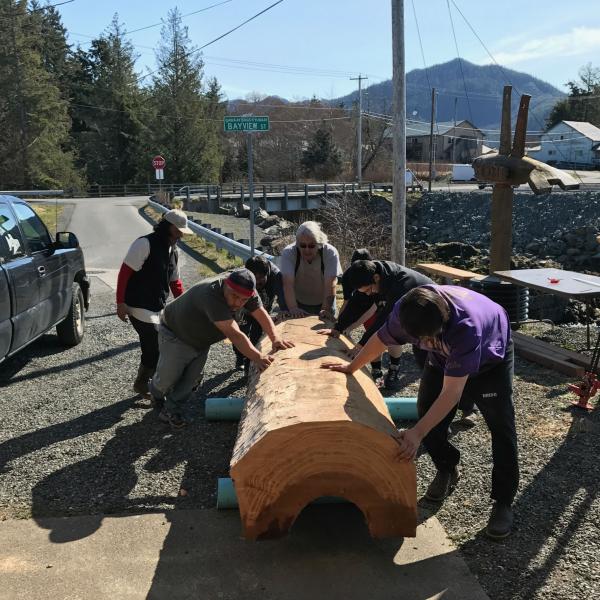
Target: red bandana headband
point(238, 289)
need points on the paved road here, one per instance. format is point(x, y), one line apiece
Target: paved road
point(105, 228)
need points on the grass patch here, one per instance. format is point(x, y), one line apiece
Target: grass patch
point(49, 213)
point(212, 261)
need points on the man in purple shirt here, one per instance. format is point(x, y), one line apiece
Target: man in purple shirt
point(470, 354)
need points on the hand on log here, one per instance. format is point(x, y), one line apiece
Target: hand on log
point(281, 344)
point(334, 333)
point(337, 366)
point(409, 441)
point(263, 362)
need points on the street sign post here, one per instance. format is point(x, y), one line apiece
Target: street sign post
point(248, 124)
point(158, 162)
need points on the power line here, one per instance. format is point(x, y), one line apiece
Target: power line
point(504, 74)
point(165, 116)
point(129, 32)
point(34, 10)
point(221, 36)
point(51, 5)
point(459, 59)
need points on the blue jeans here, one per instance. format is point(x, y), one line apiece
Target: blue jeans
point(491, 390)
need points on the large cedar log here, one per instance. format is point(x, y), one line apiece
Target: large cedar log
point(308, 432)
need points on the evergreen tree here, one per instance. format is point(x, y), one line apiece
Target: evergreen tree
point(108, 108)
point(185, 130)
point(322, 159)
point(34, 117)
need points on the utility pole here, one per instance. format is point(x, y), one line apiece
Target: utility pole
point(454, 140)
point(359, 129)
point(399, 135)
point(431, 138)
point(251, 191)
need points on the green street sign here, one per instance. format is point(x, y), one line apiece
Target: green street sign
point(246, 123)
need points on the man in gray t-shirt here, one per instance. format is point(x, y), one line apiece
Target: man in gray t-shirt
point(207, 313)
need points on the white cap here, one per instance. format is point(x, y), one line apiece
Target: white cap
point(179, 219)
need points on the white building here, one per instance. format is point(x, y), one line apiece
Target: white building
point(573, 144)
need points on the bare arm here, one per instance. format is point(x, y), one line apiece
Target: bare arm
point(264, 320)
point(449, 397)
point(373, 348)
point(328, 293)
point(232, 331)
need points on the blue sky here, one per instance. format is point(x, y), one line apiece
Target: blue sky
point(327, 41)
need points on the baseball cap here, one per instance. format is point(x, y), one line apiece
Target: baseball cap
point(243, 282)
point(179, 219)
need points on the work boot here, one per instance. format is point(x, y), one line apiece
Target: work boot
point(175, 420)
point(140, 385)
point(442, 485)
point(468, 418)
point(500, 523)
point(377, 375)
point(392, 381)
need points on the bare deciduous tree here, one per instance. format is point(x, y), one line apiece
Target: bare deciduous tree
point(353, 221)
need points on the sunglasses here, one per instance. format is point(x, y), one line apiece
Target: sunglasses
point(310, 246)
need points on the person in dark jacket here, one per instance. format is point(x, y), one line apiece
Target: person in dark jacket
point(380, 284)
point(269, 286)
point(149, 270)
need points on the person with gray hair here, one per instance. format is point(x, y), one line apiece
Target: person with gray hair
point(310, 268)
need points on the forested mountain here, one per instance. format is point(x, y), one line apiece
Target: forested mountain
point(481, 104)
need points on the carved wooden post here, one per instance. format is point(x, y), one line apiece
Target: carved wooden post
point(507, 168)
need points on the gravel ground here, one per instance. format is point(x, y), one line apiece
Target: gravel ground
point(75, 440)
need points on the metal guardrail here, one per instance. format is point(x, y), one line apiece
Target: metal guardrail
point(220, 241)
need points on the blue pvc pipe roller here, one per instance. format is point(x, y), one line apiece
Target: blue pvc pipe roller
point(230, 409)
point(227, 498)
point(223, 409)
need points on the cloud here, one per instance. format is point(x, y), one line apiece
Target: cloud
point(578, 41)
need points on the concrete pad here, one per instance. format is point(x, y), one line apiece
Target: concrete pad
point(199, 554)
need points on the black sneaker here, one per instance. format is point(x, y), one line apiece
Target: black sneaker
point(468, 418)
point(392, 381)
point(442, 485)
point(176, 421)
point(500, 523)
point(377, 375)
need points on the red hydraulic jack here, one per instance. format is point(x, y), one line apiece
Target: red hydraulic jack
point(589, 385)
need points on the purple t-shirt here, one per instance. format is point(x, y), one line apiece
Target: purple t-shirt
point(477, 332)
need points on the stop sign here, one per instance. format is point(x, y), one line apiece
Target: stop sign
point(158, 162)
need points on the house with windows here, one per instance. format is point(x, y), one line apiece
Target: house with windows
point(458, 142)
point(570, 144)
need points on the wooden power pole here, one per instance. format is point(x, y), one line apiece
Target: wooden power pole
point(431, 147)
point(399, 136)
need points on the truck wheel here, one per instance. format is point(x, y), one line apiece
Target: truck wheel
point(70, 331)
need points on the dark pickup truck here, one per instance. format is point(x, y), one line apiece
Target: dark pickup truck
point(43, 283)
